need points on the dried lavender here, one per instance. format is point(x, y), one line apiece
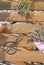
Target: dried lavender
point(36, 34)
point(24, 6)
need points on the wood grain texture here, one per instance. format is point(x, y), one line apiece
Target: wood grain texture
point(4, 16)
point(21, 28)
point(32, 17)
point(20, 63)
point(25, 56)
point(18, 17)
point(13, 17)
point(5, 5)
point(39, 17)
point(37, 4)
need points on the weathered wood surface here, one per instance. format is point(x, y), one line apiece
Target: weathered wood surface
point(39, 16)
point(21, 28)
point(23, 55)
point(3, 16)
point(31, 17)
point(37, 4)
point(13, 17)
point(18, 17)
point(5, 5)
point(26, 56)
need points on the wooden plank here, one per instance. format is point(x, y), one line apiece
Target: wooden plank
point(31, 17)
point(18, 17)
point(5, 5)
point(4, 16)
point(21, 28)
point(39, 16)
point(37, 4)
point(8, 3)
point(13, 17)
point(25, 56)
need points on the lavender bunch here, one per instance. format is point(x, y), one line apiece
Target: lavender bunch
point(24, 6)
point(36, 34)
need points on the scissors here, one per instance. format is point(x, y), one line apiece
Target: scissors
point(9, 46)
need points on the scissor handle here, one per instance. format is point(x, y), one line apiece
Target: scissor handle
point(11, 51)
